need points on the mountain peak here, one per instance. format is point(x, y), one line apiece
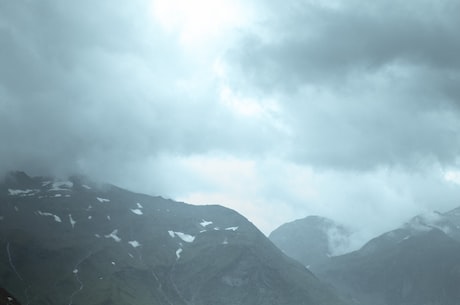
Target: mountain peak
point(311, 240)
point(68, 242)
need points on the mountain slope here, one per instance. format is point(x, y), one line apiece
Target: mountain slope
point(72, 242)
point(311, 240)
point(418, 264)
point(6, 298)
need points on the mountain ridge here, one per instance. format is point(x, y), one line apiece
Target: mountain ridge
point(71, 242)
point(417, 263)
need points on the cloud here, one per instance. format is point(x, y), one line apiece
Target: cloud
point(270, 191)
point(340, 108)
point(309, 42)
point(360, 85)
point(88, 86)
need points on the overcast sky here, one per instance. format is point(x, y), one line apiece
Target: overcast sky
point(278, 109)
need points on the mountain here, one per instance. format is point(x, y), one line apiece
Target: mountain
point(417, 264)
point(6, 298)
point(75, 242)
point(311, 240)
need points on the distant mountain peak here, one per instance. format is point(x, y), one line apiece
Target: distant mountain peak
point(311, 240)
point(415, 264)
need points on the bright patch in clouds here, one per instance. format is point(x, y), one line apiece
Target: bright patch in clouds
point(452, 176)
point(240, 105)
point(198, 20)
point(237, 184)
point(235, 101)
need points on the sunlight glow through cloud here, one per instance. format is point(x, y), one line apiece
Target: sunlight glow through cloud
point(198, 21)
point(452, 176)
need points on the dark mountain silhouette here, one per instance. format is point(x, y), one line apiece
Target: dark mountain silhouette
point(6, 298)
point(74, 242)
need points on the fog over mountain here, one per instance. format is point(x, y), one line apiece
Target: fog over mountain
point(344, 109)
point(417, 263)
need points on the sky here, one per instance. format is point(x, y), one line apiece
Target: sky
point(277, 109)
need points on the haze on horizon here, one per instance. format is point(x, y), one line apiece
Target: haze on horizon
point(345, 109)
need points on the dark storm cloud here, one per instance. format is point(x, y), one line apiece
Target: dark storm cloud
point(363, 84)
point(309, 43)
point(96, 86)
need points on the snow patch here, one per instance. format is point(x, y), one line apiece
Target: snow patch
point(72, 221)
point(85, 186)
point(205, 223)
point(134, 243)
point(102, 200)
point(61, 186)
point(178, 252)
point(90, 217)
point(185, 237)
point(22, 193)
point(58, 195)
point(56, 218)
point(97, 235)
point(108, 217)
point(75, 271)
point(232, 229)
point(137, 211)
point(114, 236)
point(139, 205)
